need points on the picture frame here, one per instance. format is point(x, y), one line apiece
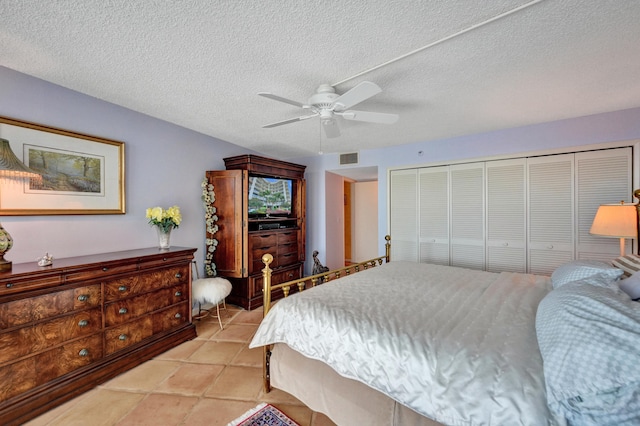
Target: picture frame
point(81, 174)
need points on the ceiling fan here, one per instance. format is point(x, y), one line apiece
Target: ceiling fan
point(327, 104)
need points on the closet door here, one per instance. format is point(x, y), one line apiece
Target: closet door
point(467, 212)
point(434, 214)
point(506, 215)
point(551, 212)
point(403, 220)
point(602, 177)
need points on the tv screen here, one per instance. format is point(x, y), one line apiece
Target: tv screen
point(269, 196)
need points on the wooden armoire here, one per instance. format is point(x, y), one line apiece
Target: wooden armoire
point(245, 233)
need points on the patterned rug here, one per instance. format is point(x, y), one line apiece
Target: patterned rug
point(263, 415)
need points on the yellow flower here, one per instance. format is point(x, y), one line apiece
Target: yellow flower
point(165, 219)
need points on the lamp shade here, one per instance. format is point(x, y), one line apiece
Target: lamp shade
point(11, 166)
point(616, 221)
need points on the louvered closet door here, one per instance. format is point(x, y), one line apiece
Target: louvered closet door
point(506, 215)
point(433, 190)
point(403, 220)
point(467, 215)
point(602, 177)
point(551, 213)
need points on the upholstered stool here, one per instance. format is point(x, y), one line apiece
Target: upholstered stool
point(210, 291)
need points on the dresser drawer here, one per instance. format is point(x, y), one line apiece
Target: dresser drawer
point(121, 311)
point(145, 282)
point(127, 334)
point(171, 317)
point(41, 336)
point(165, 260)
point(278, 277)
point(68, 357)
point(288, 237)
point(256, 264)
point(99, 272)
point(287, 258)
point(17, 378)
point(16, 285)
point(38, 308)
point(262, 241)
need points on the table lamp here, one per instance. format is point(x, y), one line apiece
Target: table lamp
point(11, 168)
point(616, 221)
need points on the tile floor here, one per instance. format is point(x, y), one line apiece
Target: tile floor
point(210, 380)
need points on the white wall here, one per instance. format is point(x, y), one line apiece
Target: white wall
point(164, 165)
point(334, 196)
point(365, 221)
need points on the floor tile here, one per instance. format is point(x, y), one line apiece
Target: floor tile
point(181, 352)
point(160, 409)
point(249, 317)
point(216, 352)
point(145, 377)
point(104, 407)
point(191, 379)
point(249, 357)
point(236, 333)
point(237, 382)
point(217, 412)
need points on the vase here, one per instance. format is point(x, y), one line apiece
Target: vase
point(164, 237)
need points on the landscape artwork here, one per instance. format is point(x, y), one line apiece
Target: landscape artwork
point(65, 171)
point(78, 173)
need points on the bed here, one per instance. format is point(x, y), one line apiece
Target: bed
point(403, 343)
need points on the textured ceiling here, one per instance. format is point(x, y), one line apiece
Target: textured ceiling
point(201, 63)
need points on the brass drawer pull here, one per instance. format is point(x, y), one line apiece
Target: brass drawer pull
point(122, 288)
point(83, 352)
point(178, 275)
point(177, 315)
point(122, 311)
point(83, 323)
point(178, 293)
point(122, 337)
point(83, 297)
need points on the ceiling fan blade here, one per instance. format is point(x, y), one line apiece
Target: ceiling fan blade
point(331, 129)
point(281, 99)
point(370, 117)
point(361, 92)
point(291, 120)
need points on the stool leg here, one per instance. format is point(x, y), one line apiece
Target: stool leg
point(218, 313)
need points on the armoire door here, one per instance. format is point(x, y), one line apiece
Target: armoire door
point(230, 255)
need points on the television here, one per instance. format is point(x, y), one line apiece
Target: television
point(270, 197)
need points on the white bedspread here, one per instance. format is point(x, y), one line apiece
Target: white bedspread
point(456, 345)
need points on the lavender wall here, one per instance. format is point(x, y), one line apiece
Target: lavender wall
point(164, 166)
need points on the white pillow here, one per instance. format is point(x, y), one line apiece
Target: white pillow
point(580, 269)
point(629, 263)
point(631, 285)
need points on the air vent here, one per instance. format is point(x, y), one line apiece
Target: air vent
point(350, 158)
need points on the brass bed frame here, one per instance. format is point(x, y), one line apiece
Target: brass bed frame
point(304, 283)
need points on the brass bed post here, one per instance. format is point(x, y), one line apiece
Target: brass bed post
point(266, 298)
point(387, 248)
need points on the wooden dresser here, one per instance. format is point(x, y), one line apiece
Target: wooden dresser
point(68, 327)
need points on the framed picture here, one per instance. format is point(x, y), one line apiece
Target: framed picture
point(81, 174)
